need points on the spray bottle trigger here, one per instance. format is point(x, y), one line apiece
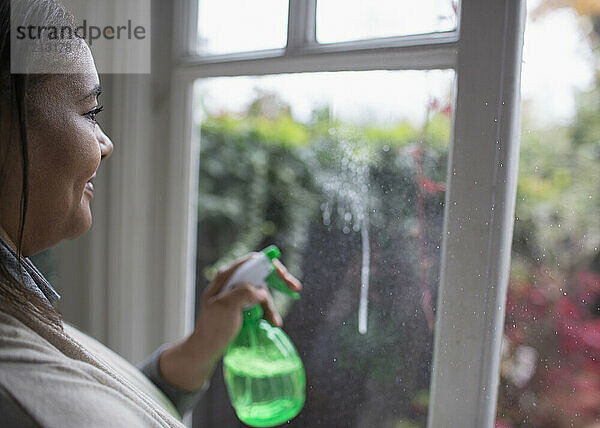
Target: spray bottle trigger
point(272, 252)
point(274, 281)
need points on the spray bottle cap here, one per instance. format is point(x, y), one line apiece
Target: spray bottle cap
point(273, 280)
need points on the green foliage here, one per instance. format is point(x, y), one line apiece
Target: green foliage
point(586, 127)
point(252, 189)
point(437, 133)
point(397, 135)
point(557, 220)
point(282, 131)
point(262, 174)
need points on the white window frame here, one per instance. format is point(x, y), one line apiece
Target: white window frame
point(133, 275)
point(478, 219)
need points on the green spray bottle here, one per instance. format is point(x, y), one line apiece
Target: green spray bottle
point(263, 372)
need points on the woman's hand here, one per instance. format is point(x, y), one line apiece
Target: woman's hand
point(188, 364)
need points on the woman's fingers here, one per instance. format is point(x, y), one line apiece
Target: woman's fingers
point(245, 294)
point(223, 276)
point(289, 279)
point(271, 313)
point(225, 273)
point(239, 296)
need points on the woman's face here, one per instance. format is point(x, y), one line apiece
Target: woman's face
point(65, 146)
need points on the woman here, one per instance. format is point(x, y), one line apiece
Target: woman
point(51, 374)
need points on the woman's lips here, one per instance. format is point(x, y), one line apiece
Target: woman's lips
point(89, 187)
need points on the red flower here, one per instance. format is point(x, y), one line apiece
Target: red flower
point(568, 325)
point(434, 104)
point(574, 391)
point(566, 389)
point(589, 332)
point(577, 331)
point(447, 110)
point(525, 302)
point(500, 423)
point(430, 186)
point(515, 333)
point(587, 287)
point(537, 297)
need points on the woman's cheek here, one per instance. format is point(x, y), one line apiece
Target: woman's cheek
point(90, 151)
point(62, 159)
point(78, 150)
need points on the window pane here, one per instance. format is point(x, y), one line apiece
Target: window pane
point(350, 185)
point(345, 20)
point(227, 26)
point(551, 349)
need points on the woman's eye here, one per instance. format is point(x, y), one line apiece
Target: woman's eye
point(92, 113)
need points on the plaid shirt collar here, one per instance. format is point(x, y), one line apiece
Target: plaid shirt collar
point(32, 277)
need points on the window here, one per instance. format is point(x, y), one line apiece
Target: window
point(350, 185)
point(549, 371)
point(482, 50)
point(254, 26)
point(342, 21)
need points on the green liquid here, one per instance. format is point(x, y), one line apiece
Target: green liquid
point(264, 392)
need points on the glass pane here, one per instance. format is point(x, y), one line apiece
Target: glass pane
point(227, 26)
point(350, 185)
point(551, 350)
point(345, 20)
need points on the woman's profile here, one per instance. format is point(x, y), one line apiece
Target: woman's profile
point(51, 148)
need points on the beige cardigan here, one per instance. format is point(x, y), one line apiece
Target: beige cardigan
point(67, 379)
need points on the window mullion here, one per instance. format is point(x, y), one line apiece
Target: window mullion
point(301, 24)
point(478, 216)
point(185, 38)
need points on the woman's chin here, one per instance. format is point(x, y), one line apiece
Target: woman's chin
point(82, 221)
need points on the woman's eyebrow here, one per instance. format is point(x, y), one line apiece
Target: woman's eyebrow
point(94, 92)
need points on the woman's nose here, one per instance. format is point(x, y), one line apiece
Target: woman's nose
point(106, 146)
